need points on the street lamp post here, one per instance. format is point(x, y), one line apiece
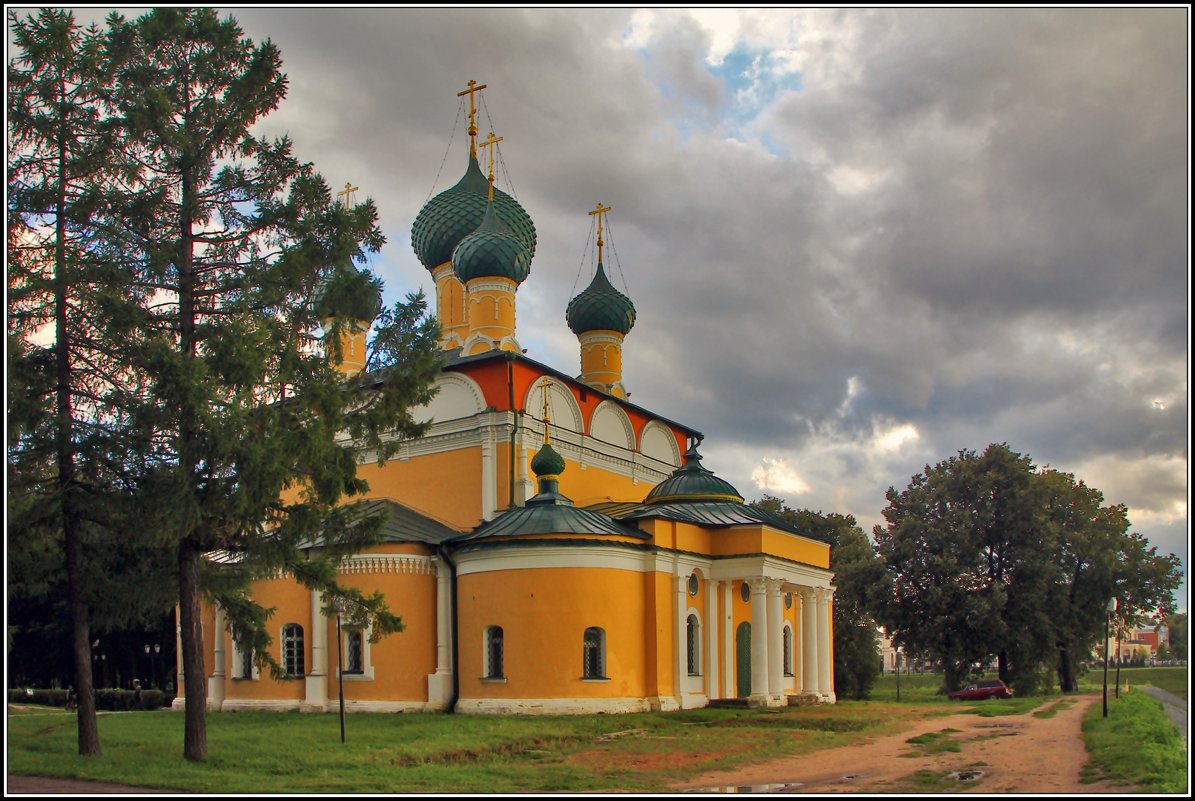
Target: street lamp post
point(338, 605)
point(152, 653)
point(1109, 609)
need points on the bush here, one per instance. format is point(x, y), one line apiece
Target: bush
point(106, 700)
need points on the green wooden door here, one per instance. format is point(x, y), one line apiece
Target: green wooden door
point(742, 661)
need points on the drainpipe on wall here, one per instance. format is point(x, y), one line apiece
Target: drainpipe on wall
point(442, 552)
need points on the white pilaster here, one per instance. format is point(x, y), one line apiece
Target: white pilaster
point(728, 688)
point(316, 696)
point(489, 472)
point(439, 684)
point(215, 682)
point(711, 641)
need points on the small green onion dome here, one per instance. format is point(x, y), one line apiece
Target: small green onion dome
point(547, 462)
point(600, 307)
point(491, 251)
point(692, 482)
point(453, 214)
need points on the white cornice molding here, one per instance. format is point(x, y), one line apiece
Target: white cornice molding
point(389, 563)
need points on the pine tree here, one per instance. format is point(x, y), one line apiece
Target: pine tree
point(64, 401)
point(241, 258)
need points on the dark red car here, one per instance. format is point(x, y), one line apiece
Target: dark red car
point(982, 690)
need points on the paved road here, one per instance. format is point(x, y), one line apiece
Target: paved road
point(1174, 706)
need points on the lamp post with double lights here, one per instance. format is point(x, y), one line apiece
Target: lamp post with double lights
point(1109, 609)
point(152, 653)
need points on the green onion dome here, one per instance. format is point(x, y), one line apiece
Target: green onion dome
point(491, 251)
point(547, 462)
point(451, 215)
point(692, 482)
point(600, 307)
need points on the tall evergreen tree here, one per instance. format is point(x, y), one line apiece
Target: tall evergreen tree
point(241, 258)
point(65, 374)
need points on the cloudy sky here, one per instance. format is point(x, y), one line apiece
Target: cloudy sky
point(857, 241)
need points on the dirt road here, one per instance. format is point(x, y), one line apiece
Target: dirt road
point(1018, 754)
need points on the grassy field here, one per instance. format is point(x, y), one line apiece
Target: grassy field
point(413, 753)
point(293, 753)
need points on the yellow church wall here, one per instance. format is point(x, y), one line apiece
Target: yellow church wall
point(436, 484)
point(760, 539)
point(543, 615)
point(292, 604)
point(595, 484)
point(402, 661)
point(660, 640)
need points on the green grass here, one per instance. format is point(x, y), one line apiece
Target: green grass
point(934, 742)
point(1136, 745)
point(301, 753)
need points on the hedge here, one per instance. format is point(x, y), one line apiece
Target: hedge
point(108, 700)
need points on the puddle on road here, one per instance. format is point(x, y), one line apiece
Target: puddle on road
point(777, 787)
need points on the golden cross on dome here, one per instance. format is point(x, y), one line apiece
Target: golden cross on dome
point(545, 388)
point(493, 140)
point(599, 211)
point(347, 194)
point(473, 89)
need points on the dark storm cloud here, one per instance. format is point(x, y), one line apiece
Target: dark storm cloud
point(971, 223)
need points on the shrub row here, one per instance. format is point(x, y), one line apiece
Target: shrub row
point(108, 700)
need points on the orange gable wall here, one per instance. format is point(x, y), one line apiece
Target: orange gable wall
point(491, 376)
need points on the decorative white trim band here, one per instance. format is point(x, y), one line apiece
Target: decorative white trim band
point(388, 563)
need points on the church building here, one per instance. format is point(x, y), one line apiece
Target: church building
point(551, 547)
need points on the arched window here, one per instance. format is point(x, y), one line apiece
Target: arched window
point(354, 651)
point(243, 667)
point(788, 651)
point(292, 649)
point(693, 642)
point(594, 653)
point(494, 653)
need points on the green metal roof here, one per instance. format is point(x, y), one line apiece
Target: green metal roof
point(600, 307)
point(692, 482)
point(403, 524)
point(554, 516)
point(456, 212)
point(492, 250)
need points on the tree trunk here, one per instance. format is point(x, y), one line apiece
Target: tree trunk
point(68, 488)
point(1067, 682)
point(194, 678)
point(1002, 666)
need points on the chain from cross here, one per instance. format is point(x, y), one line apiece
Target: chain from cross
point(347, 195)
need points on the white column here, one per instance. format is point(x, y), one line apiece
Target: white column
point(775, 641)
point(798, 650)
point(808, 642)
point(711, 639)
point(825, 669)
point(728, 688)
point(759, 642)
point(439, 684)
point(215, 682)
point(316, 699)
